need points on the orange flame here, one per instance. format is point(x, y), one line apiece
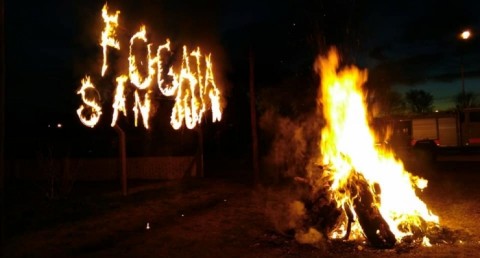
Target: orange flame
point(119, 101)
point(167, 89)
point(108, 34)
point(142, 108)
point(348, 146)
point(135, 76)
point(212, 90)
point(94, 109)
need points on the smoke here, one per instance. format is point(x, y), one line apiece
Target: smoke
point(289, 217)
point(312, 237)
point(290, 149)
point(289, 144)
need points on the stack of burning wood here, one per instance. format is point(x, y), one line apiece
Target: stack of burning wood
point(325, 215)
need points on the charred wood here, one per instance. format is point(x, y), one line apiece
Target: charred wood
point(374, 226)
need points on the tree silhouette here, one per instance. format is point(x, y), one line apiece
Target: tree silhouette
point(419, 101)
point(466, 101)
point(396, 103)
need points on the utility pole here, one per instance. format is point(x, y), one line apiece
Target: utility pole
point(200, 150)
point(464, 104)
point(2, 128)
point(253, 119)
point(122, 150)
point(465, 35)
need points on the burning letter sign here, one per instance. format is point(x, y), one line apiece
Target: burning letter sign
point(194, 89)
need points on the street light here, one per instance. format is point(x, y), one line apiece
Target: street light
point(465, 35)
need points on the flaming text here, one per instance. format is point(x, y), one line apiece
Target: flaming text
point(192, 84)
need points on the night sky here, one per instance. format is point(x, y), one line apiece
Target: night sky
point(51, 45)
point(416, 44)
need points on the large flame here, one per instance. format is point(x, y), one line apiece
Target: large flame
point(348, 147)
point(192, 83)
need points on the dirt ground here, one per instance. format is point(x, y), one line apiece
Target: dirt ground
point(215, 217)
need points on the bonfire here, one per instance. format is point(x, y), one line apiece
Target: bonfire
point(357, 191)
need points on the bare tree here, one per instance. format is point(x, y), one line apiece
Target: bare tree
point(419, 101)
point(469, 99)
point(390, 103)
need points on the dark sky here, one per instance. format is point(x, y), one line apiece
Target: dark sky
point(416, 44)
point(51, 44)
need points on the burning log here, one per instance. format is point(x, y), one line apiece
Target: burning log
point(374, 226)
point(324, 214)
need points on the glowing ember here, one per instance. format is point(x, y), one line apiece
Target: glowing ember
point(192, 85)
point(348, 150)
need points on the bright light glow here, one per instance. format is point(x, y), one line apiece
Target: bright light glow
point(466, 34)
